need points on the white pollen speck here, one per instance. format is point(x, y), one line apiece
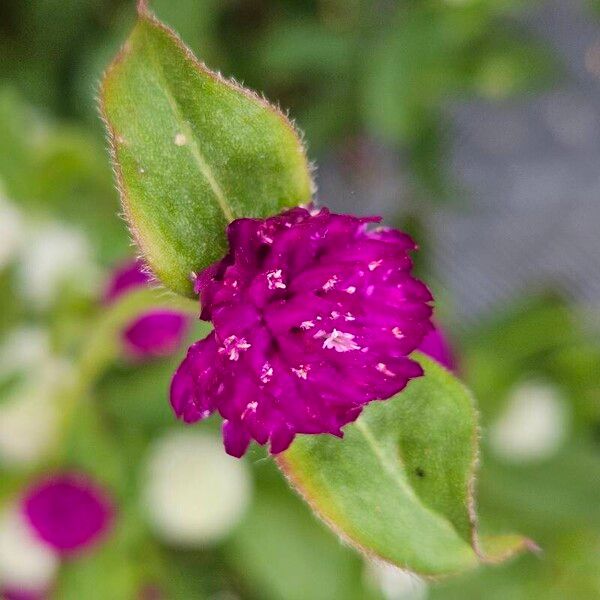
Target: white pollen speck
point(302, 371)
point(340, 341)
point(349, 317)
point(320, 334)
point(232, 346)
point(141, 170)
point(330, 283)
point(180, 139)
point(374, 264)
point(335, 314)
point(266, 372)
point(306, 325)
point(350, 289)
point(397, 333)
point(275, 280)
point(252, 405)
point(382, 368)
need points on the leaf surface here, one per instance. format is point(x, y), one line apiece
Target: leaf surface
point(399, 486)
point(192, 151)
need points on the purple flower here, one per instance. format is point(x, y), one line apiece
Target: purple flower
point(436, 346)
point(126, 278)
point(68, 512)
point(314, 316)
point(156, 333)
point(8, 593)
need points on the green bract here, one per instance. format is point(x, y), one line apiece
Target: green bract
point(192, 151)
point(399, 485)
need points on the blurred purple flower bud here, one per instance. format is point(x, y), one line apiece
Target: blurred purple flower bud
point(68, 512)
point(314, 316)
point(154, 334)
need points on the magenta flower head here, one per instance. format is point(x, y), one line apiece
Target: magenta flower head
point(314, 315)
point(436, 345)
point(153, 334)
point(68, 512)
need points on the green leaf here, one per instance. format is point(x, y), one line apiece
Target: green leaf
point(399, 486)
point(285, 554)
point(192, 152)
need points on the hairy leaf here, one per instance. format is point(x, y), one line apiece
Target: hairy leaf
point(399, 486)
point(192, 151)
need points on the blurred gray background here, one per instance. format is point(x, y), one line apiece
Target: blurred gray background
point(529, 169)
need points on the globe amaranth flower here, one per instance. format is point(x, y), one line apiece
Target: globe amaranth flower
point(314, 315)
point(155, 333)
point(68, 512)
point(435, 345)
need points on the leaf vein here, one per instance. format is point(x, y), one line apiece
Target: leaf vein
point(385, 463)
point(441, 519)
point(193, 146)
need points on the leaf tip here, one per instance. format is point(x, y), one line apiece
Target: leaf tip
point(142, 7)
point(531, 546)
point(494, 550)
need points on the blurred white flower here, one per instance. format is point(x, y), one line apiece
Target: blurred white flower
point(533, 425)
point(11, 231)
point(28, 428)
point(394, 583)
point(54, 255)
point(29, 411)
point(26, 564)
point(194, 493)
point(24, 348)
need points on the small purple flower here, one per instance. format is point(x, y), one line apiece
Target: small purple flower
point(314, 315)
point(126, 278)
point(154, 334)
point(68, 512)
point(14, 594)
point(436, 346)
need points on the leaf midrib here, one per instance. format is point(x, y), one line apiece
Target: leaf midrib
point(191, 141)
point(371, 440)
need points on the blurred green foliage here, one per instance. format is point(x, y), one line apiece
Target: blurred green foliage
point(343, 68)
